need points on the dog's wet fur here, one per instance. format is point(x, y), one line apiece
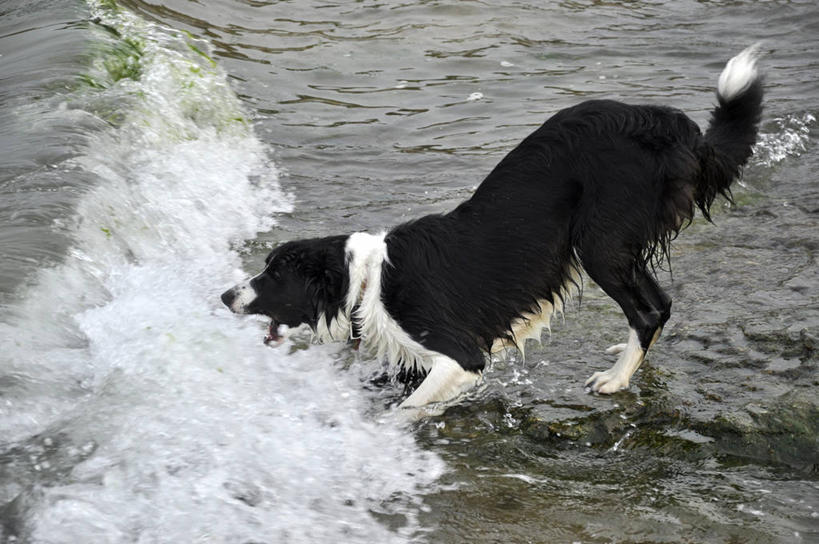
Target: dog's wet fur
point(601, 187)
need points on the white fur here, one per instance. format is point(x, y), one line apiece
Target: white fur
point(616, 349)
point(531, 324)
point(446, 380)
point(338, 330)
point(245, 294)
point(618, 376)
point(739, 73)
point(380, 333)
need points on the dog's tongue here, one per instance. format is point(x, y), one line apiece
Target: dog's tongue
point(273, 333)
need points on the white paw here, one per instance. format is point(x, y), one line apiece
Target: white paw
point(410, 414)
point(607, 382)
point(615, 349)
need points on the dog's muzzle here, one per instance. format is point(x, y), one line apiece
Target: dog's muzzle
point(239, 298)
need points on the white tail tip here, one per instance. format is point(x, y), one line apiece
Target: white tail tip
point(739, 73)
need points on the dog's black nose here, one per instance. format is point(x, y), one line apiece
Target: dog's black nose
point(228, 297)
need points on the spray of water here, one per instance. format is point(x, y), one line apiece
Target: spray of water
point(790, 139)
point(136, 408)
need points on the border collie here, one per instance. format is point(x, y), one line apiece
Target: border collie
point(601, 187)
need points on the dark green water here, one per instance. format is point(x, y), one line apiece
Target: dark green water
point(378, 112)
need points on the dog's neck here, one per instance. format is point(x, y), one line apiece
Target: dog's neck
point(380, 334)
point(364, 315)
point(364, 255)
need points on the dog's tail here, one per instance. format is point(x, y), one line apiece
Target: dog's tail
point(733, 128)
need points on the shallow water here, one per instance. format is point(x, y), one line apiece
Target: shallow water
point(154, 152)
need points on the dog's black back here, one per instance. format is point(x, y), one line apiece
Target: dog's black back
point(603, 184)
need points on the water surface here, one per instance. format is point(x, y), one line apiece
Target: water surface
point(154, 152)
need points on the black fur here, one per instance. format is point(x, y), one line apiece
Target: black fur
point(602, 185)
point(302, 280)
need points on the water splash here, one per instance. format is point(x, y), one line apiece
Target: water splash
point(790, 139)
point(136, 407)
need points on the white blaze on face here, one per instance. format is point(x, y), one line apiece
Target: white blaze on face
point(244, 295)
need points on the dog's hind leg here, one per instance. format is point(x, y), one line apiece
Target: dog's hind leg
point(445, 380)
point(647, 309)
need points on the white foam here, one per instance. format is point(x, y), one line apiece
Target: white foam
point(790, 139)
point(184, 426)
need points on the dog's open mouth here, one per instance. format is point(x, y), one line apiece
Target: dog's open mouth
point(273, 335)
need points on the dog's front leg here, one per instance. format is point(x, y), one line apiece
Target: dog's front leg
point(445, 380)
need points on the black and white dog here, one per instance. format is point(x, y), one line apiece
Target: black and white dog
point(602, 187)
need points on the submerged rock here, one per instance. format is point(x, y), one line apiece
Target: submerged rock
point(783, 431)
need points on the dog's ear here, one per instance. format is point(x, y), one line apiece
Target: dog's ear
point(332, 278)
point(324, 277)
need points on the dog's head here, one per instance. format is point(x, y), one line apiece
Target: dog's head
point(301, 281)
